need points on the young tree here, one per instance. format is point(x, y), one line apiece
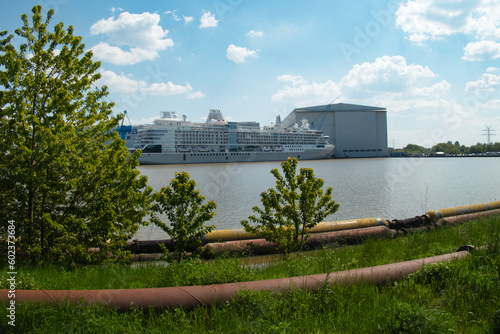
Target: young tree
point(66, 178)
point(182, 204)
point(298, 203)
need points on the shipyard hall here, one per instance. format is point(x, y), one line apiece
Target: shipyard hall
point(357, 131)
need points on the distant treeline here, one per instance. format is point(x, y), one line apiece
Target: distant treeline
point(450, 148)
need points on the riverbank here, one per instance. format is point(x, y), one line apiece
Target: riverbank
point(462, 295)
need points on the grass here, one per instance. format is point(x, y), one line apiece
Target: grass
point(459, 296)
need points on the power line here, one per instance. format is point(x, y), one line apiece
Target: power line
point(488, 133)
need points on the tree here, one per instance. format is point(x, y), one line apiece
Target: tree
point(447, 148)
point(183, 205)
point(415, 149)
point(66, 178)
point(297, 204)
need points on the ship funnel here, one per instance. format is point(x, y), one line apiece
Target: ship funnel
point(169, 114)
point(278, 120)
point(184, 118)
point(215, 116)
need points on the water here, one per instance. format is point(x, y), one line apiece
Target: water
point(391, 188)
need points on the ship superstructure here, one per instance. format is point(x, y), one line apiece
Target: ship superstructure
point(176, 140)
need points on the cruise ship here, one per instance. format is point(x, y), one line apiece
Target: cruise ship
point(174, 140)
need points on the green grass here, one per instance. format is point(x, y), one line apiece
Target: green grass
point(455, 297)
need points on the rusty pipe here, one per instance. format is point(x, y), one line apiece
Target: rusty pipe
point(261, 246)
point(192, 296)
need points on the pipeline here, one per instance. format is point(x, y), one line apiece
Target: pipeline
point(241, 234)
point(227, 235)
point(192, 296)
point(348, 224)
point(435, 215)
point(148, 246)
point(416, 222)
point(464, 218)
point(217, 236)
point(262, 247)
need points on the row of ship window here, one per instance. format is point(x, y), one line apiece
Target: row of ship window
point(366, 150)
point(201, 136)
point(212, 141)
point(245, 135)
point(217, 154)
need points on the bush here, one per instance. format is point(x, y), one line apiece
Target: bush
point(296, 204)
point(182, 204)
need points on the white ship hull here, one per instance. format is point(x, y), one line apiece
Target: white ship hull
point(193, 158)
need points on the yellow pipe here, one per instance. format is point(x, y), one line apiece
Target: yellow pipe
point(241, 234)
point(348, 224)
point(227, 235)
point(434, 215)
point(493, 205)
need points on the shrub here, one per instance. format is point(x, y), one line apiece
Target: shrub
point(296, 204)
point(182, 204)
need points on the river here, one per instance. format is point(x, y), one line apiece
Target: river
point(391, 188)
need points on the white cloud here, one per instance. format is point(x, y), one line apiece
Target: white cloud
point(386, 74)
point(239, 54)
point(295, 80)
point(436, 19)
point(485, 21)
point(435, 91)
point(433, 18)
point(139, 32)
point(483, 50)
point(418, 38)
point(113, 10)
point(386, 81)
point(489, 83)
point(168, 88)
point(195, 95)
point(174, 14)
point(208, 20)
point(120, 82)
point(148, 120)
point(117, 56)
point(415, 97)
point(302, 92)
point(123, 84)
point(253, 33)
point(186, 19)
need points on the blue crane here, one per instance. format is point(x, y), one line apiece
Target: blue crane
point(324, 115)
point(124, 129)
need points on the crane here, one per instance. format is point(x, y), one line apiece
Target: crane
point(124, 129)
point(324, 115)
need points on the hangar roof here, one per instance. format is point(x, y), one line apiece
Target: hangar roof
point(339, 107)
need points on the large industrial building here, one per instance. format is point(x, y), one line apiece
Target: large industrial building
point(356, 131)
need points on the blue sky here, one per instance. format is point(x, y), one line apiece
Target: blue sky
point(434, 64)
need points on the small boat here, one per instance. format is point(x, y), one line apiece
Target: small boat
point(203, 149)
point(184, 149)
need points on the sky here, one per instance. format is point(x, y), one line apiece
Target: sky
point(433, 64)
